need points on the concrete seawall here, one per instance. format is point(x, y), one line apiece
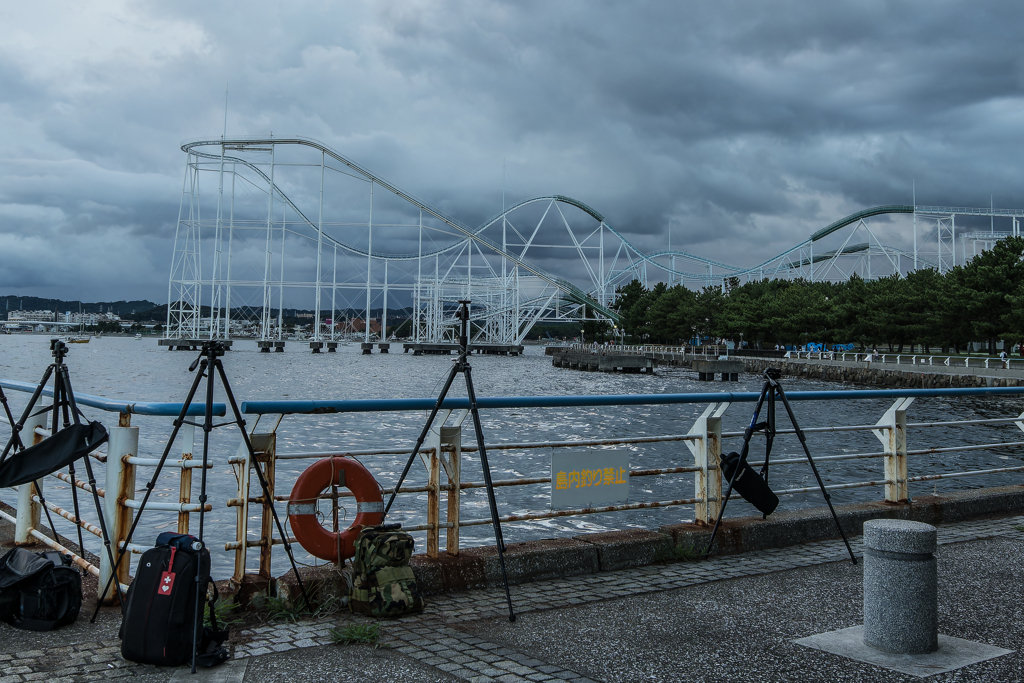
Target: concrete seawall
point(593, 553)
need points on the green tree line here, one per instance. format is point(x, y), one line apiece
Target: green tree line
point(981, 301)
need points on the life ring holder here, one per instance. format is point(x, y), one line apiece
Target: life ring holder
point(336, 470)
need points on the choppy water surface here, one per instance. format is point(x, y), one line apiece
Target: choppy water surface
point(118, 367)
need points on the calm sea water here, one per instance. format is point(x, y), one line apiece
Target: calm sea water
point(126, 368)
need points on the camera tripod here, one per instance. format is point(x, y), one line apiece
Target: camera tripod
point(462, 365)
point(772, 390)
point(64, 406)
point(208, 361)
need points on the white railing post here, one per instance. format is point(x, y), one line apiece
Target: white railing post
point(707, 455)
point(28, 509)
point(241, 512)
point(122, 443)
point(452, 438)
point(187, 435)
point(892, 433)
point(432, 460)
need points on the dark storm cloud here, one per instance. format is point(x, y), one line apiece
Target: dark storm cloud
point(743, 125)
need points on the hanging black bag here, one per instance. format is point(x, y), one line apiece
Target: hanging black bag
point(749, 484)
point(39, 591)
point(160, 619)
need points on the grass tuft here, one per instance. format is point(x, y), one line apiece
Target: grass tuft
point(688, 553)
point(279, 609)
point(369, 634)
point(225, 612)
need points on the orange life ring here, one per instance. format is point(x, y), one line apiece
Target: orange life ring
point(302, 506)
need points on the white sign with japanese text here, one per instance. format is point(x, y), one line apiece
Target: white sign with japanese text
point(589, 478)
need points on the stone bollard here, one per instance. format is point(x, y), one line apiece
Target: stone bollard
point(900, 586)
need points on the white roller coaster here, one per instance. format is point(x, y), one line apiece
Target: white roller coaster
point(550, 258)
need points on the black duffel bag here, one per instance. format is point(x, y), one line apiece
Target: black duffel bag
point(39, 591)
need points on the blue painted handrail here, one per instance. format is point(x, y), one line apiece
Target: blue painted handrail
point(314, 407)
point(406, 404)
point(162, 409)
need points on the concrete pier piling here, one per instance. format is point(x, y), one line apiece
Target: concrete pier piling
point(900, 586)
point(728, 369)
point(268, 345)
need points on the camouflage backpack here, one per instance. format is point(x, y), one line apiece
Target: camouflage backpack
point(383, 584)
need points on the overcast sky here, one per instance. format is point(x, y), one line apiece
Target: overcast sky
point(745, 125)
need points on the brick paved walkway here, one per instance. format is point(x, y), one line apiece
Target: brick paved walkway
point(432, 639)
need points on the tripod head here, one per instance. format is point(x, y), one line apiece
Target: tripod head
point(58, 350)
point(464, 330)
point(212, 348)
point(772, 374)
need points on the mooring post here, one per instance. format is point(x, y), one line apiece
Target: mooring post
point(122, 443)
point(893, 435)
point(707, 453)
point(900, 586)
point(28, 509)
point(187, 434)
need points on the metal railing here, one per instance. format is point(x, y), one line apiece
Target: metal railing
point(986, 362)
point(444, 450)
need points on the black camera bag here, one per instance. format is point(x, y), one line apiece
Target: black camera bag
point(160, 619)
point(749, 484)
point(39, 591)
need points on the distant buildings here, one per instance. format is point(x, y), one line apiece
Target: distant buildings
point(29, 319)
point(32, 316)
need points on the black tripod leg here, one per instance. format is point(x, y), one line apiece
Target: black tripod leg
point(262, 479)
point(769, 438)
point(498, 537)
point(149, 488)
point(739, 465)
point(16, 429)
point(70, 395)
point(814, 469)
point(419, 441)
point(60, 401)
point(207, 428)
point(49, 519)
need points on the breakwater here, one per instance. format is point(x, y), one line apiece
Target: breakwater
point(906, 375)
point(860, 372)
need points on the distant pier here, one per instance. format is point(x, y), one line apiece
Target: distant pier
point(189, 344)
point(424, 348)
point(600, 361)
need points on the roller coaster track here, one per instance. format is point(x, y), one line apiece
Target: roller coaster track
point(781, 262)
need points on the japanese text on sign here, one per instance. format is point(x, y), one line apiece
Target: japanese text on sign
point(586, 478)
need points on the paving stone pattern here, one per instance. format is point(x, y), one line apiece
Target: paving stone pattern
point(431, 638)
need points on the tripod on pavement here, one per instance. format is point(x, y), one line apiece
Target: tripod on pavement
point(207, 362)
point(755, 489)
point(462, 365)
